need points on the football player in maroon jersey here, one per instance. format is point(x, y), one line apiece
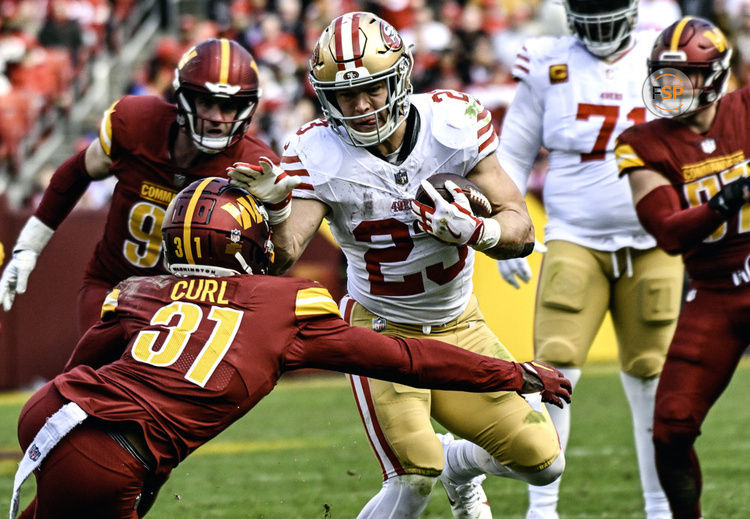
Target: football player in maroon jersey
point(201, 348)
point(690, 188)
point(154, 149)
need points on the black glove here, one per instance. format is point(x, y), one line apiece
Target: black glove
point(548, 380)
point(731, 197)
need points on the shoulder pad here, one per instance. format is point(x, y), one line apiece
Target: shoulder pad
point(457, 118)
point(314, 151)
point(538, 54)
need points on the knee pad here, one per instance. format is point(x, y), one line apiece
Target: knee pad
point(548, 474)
point(534, 447)
point(558, 351)
point(644, 364)
point(675, 421)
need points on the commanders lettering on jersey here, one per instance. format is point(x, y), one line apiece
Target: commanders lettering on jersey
point(711, 166)
point(156, 193)
point(558, 73)
point(204, 290)
point(315, 301)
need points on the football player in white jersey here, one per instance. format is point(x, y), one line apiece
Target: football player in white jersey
point(575, 95)
point(359, 168)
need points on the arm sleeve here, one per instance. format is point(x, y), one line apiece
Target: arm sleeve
point(676, 230)
point(66, 187)
point(332, 344)
point(521, 135)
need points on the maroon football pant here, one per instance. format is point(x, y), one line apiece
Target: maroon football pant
point(712, 333)
point(88, 474)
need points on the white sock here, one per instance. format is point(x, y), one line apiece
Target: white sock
point(640, 393)
point(465, 460)
point(401, 497)
point(544, 498)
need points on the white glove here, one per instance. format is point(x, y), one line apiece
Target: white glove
point(267, 182)
point(33, 238)
point(514, 267)
point(454, 222)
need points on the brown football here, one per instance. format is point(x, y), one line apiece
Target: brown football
point(480, 205)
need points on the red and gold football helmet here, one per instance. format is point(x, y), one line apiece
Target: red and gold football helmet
point(602, 27)
point(225, 71)
point(698, 49)
point(358, 49)
point(214, 229)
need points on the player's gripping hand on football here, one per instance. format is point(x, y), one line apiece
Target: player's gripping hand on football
point(454, 222)
point(32, 239)
point(267, 182)
point(548, 380)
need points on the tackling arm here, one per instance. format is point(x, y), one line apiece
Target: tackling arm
point(334, 345)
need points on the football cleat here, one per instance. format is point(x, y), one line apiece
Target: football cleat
point(467, 500)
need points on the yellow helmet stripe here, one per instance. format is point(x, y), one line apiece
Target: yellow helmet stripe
point(675, 42)
point(224, 73)
point(187, 224)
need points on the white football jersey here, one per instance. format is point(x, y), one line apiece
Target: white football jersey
point(394, 269)
point(576, 105)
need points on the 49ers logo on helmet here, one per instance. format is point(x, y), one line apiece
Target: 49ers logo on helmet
point(390, 37)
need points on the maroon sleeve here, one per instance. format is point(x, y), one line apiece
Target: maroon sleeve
point(101, 344)
point(330, 343)
point(66, 187)
point(676, 230)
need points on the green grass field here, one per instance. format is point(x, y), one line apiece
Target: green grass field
point(302, 454)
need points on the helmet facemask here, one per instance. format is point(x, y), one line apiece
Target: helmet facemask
point(216, 71)
point(603, 29)
point(198, 126)
point(396, 106)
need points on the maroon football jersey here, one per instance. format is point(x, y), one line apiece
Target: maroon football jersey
point(200, 352)
point(135, 133)
point(698, 166)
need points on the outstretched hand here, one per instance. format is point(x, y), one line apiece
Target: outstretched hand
point(548, 380)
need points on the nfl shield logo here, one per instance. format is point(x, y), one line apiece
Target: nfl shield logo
point(401, 177)
point(708, 145)
point(34, 452)
point(235, 235)
point(378, 324)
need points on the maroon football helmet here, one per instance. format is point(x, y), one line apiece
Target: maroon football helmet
point(213, 228)
point(223, 70)
point(698, 49)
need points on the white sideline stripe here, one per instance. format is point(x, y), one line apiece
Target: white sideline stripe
point(369, 429)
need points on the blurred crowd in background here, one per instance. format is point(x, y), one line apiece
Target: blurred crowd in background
point(47, 45)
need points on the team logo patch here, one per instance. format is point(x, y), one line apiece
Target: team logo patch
point(390, 37)
point(34, 452)
point(351, 74)
point(558, 73)
point(708, 145)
